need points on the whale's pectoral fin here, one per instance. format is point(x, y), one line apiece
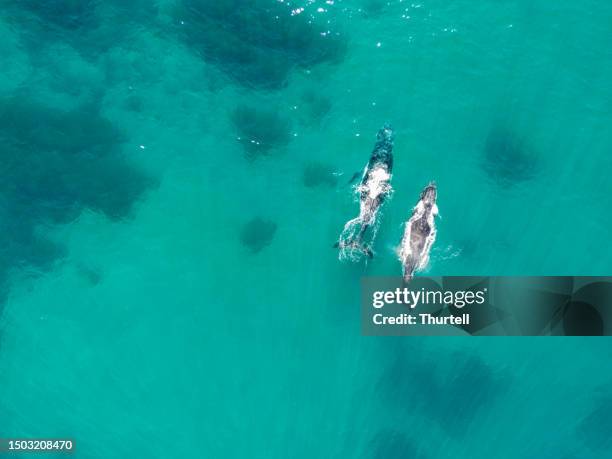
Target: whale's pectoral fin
point(353, 178)
point(368, 253)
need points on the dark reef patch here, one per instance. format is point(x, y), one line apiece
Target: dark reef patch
point(507, 158)
point(66, 14)
point(134, 103)
point(317, 174)
point(83, 24)
point(257, 42)
point(473, 383)
point(393, 444)
point(315, 106)
point(374, 8)
point(260, 130)
point(452, 393)
point(596, 428)
point(55, 164)
point(91, 274)
point(257, 233)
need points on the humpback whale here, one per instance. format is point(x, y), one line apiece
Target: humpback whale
point(419, 234)
point(355, 239)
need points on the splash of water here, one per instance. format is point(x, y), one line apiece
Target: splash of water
point(355, 241)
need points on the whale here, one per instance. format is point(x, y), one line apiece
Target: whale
point(419, 234)
point(357, 236)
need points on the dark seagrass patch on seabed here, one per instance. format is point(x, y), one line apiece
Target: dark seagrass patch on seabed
point(258, 42)
point(257, 234)
point(393, 444)
point(90, 26)
point(507, 158)
point(374, 8)
point(260, 130)
point(66, 14)
point(314, 106)
point(595, 429)
point(453, 402)
point(56, 163)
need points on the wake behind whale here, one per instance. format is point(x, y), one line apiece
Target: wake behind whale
point(358, 234)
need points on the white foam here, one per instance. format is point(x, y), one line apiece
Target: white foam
point(376, 185)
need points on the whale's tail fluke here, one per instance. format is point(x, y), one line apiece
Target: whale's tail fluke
point(353, 249)
point(407, 279)
point(408, 270)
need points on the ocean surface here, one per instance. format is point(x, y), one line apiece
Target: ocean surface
point(174, 173)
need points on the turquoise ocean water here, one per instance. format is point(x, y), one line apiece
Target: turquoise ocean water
point(174, 174)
